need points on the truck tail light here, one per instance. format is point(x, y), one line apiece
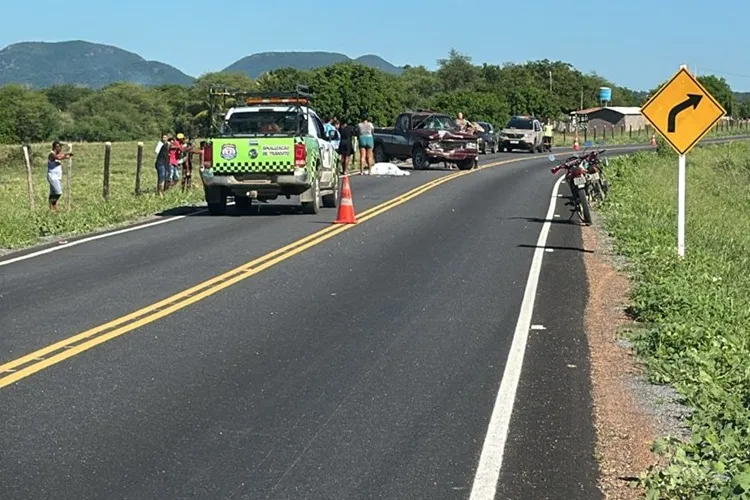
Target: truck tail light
point(300, 155)
point(208, 155)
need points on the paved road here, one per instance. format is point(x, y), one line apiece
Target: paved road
point(364, 362)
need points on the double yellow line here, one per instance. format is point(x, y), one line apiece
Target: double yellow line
point(27, 365)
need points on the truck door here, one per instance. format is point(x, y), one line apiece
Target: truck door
point(326, 150)
point(401, 145)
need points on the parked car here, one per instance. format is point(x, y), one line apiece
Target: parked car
point(487, 139)
point(426, 138)
point(522, 132)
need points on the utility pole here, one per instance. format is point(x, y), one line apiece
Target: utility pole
point(550, 81)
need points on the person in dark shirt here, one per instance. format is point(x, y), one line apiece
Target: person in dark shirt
point(162, 162)
point(346, 145)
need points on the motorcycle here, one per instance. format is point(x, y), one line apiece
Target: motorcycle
point(577, 177)
point(595, 170)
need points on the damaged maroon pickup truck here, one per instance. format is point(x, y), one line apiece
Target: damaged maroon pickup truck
point(426, 138)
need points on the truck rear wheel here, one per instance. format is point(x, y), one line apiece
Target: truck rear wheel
point(331, 200)
point(379, 154)
point(216, 199)
point(313, 207)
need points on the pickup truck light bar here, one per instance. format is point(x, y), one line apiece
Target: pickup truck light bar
point(302, 101)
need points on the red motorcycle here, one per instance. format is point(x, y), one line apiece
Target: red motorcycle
point(595, 168)
point(577, 177)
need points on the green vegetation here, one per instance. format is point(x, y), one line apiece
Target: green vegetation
point(695, 313)
point(128, 111)
point(19, 226)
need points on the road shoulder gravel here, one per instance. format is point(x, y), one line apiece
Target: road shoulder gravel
point(630, 413)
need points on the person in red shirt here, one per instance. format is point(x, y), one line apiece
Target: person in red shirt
point(175, 152)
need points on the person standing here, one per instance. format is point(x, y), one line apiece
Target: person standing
point(175, 152)
point(365, 131)
point(54, 173)
point(548, 134)
point(346, 145)
point(162, 163)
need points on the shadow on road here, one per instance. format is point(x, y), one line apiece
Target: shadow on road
point(173, 212)
point(572, 249)
point(539, 220)
point(255, 210)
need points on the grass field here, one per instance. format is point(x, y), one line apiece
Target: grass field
point(19, 226)
point(695, 313)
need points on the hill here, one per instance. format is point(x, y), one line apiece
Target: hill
point(256, 64)
point(41, 64)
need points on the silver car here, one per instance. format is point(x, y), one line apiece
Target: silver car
point(522, 132)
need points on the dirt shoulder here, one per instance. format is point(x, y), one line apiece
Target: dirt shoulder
point(625, 424)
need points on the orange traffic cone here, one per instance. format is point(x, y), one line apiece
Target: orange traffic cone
point(576, 146)
point(346, 205)
point(653, 139)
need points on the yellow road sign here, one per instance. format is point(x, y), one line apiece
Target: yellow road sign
point(683, 111)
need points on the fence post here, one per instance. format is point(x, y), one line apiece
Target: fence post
point(594, 133)
point(604, 132)
point(138, 168)
point(69, 178)
point(585, 134)
point(29, 177)
point(630, 132)
point(107, 155)
point(565, 136)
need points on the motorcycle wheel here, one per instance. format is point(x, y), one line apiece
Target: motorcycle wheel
point(584, 209)
point(599, 191)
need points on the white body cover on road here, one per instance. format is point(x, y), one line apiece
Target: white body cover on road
point(387, 168)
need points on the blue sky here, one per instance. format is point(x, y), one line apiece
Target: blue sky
point(637, 44)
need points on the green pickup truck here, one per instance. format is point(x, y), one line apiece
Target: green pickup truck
point(272, 145)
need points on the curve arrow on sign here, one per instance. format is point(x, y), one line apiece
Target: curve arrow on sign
point(692, 100)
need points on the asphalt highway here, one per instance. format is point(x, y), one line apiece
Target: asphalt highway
point(356, 362)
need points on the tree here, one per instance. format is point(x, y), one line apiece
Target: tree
point(457, 72)
point(26, 116)
point(720, 90)
point(122, 111)
point(348, 90)
point(64, 96)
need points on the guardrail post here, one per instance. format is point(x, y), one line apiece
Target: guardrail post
point(107, 156)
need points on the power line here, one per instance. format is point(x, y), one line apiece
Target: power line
point(723, 73)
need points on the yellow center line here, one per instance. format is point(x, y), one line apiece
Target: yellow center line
point(52, 354)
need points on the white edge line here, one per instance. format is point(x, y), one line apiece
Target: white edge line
point(114, 233)
point(491, 458)
point(97, 237)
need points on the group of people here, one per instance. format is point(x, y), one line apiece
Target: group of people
point(171, 153)
point(342, 135)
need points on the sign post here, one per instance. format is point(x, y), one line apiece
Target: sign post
point(683, 112)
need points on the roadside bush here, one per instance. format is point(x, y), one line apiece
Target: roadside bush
point(695, 312)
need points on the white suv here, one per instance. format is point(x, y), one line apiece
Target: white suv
point(521, 132)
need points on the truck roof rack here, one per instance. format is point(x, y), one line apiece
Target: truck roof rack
point(218, 96)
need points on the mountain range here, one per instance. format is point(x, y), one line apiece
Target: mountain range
point(42, 64)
